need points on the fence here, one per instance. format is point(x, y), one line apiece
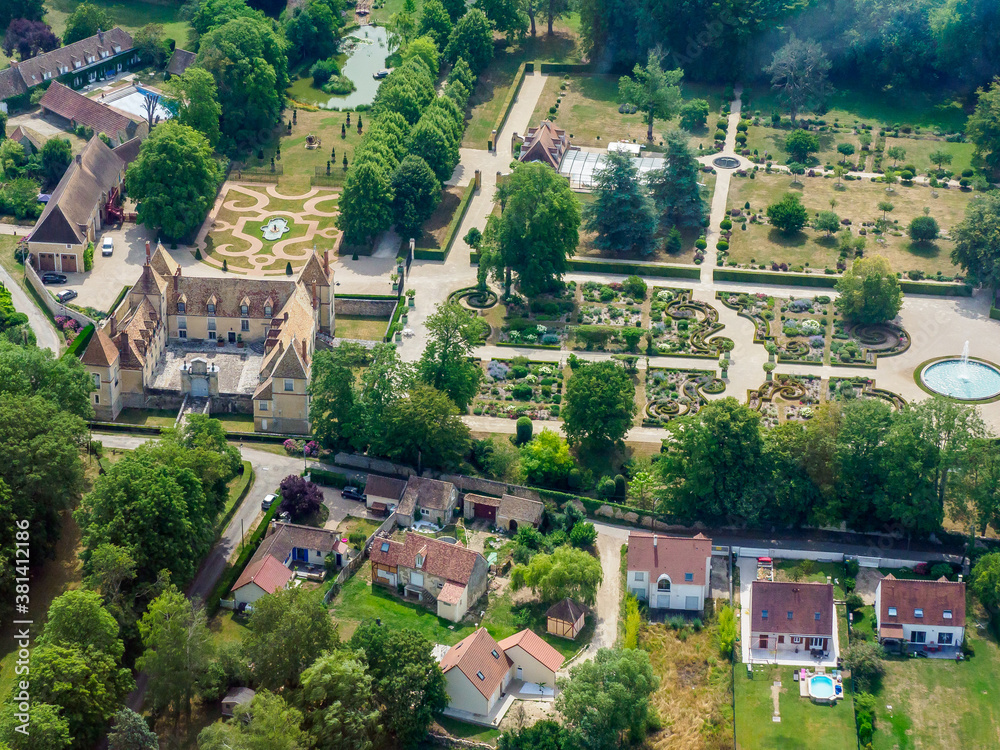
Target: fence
point(356, 562)
point(240, 173)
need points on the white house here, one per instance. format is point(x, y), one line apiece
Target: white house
point(921, 615)
point(534, 659)
point(287, 547)
point(670, 572)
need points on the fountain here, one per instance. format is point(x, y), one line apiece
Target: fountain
point(962, 379)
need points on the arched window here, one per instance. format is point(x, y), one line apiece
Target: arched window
point(663, 585)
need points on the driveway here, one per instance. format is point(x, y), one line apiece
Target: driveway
point(340, 507)
point(100, 287)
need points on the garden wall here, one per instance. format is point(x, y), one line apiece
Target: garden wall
point(50, 302)
point(508, 103)
point(629, 269)
point(439, 254)
point(368, 463)
point(830, 281)
point(484, 486)
point(372, 308)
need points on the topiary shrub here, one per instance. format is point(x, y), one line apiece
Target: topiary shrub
point(700, 243)
point(726, 225)
point(606, 488)
point(524, 429)
point(722, 245)
point(620, 486)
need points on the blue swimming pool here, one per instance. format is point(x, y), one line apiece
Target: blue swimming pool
point(821, 687)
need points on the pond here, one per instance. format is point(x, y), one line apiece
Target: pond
point(366, 49)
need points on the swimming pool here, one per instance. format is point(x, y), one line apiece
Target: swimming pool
point(132, 101)
point(822, 688)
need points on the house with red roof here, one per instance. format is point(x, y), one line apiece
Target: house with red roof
point(481, 673)
point(446, 577)
point(287, 548)
point(920, 615)
point(670, 572)
point(793, 622)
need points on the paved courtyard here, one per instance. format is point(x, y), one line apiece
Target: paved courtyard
point(239, 369)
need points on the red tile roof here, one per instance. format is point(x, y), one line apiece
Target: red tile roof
point(449, 561)
point(101, 118)
point(267, 572)
point(546, 143)
point(451, 593)
point(536, 647)
point(803, 600)
point(933, 597)
point(671, 555)
point(478, 654)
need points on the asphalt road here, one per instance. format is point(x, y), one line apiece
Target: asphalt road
point(44, 332)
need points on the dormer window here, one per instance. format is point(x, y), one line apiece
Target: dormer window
point(267, 310)
point(244, 310)
point(46, 75)
point(919, 612)
point(420, 561)
point(791, 615)
point(892, 611)
point(117, 48)
point(181, 306)
point(947, 614)
point(77, 63)
point(211, 308)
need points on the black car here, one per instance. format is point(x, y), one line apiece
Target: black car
point(353, 493)
point(53, 278)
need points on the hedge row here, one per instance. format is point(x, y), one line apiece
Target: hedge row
point(79, 345)
point(637, 269)
point(394, 321)
point(231, 574)
point(329, 478)
point(995, 312)
point(508, 103)
point(252, 437)
point(367, 296)
point(441, 253)
point(242, 490)
point(566, 68)
point(829, 282)
point(118, 299)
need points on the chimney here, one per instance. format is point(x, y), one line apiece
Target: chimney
point(959, 577)
point(305, 355)
point(829, 580)
point(285, 319)
point(113, 325)
point(326, 263)
point(654, 540)
point(148, 254)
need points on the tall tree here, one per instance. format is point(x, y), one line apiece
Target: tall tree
point(983, 126)
point(386, 380)
point(447, 364)
point(566, 572)
point(621, 213)
point(546, 459)
point(33, 10)
point(537, 230)
point(178, 649)
point(424, 429)
point(869, 291)
point(799, 73)
point(174, 180)
point(407, 682)
point(28, 38)
point(472, 40)
point(271, 724)
point(333, 401)
point(861, 464)
point(288, 632)
point(507, 17)
point(713, 464)
point(247, 58)
point(977, 240)
point(197, 99)
point(86, 21)
point(435, 22)
point(311, 31)
point(674, 188)
point(131, 732)
point(56, 155)
point(416, 193)
point(438, 148)
point(79, 619)
point(554, 9)
point(655, 91)
point(608, 696)
point(337, 698)
point(599, 405)
point(48, 730)
point(366, 204)
point(150, 41)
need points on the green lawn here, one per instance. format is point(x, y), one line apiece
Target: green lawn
point(589, 111)
point(361, 327)
point(792, 570)
point(804, 725)
point(938, 703)
point(359, 602)
point(918, 151)
point(235, 422)
point(298, 162)
point(129, 15)
point(353, 523)
point(148, 417)
point(471, 732)
point(491, 89)
point(855, 200)
point(855, 106)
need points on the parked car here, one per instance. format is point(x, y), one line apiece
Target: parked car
point(353, 493)
point(66, 295)
point(267, 501)
point(107, 246)
point(53, 278)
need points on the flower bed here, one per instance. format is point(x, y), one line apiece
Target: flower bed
point(786, 398)
point(674, 393)
point(840, 389)
point(681, 325)
point(541, 322)
point(519, 387)
point(607, 304)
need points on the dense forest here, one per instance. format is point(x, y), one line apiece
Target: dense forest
point(894, 45)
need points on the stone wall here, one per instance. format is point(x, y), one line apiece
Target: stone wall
point(50, 302)
point(377, 465)
point(482, 486)
point(372, 308)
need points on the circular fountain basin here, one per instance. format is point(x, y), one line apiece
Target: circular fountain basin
point(964, 381)
point(726, 162)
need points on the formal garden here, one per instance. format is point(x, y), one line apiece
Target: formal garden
point(843, 219)
point(672, 393)
point(261, 229)
point(811, 330)
point(679, 325)
point(520, 388)
point(794, 398)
